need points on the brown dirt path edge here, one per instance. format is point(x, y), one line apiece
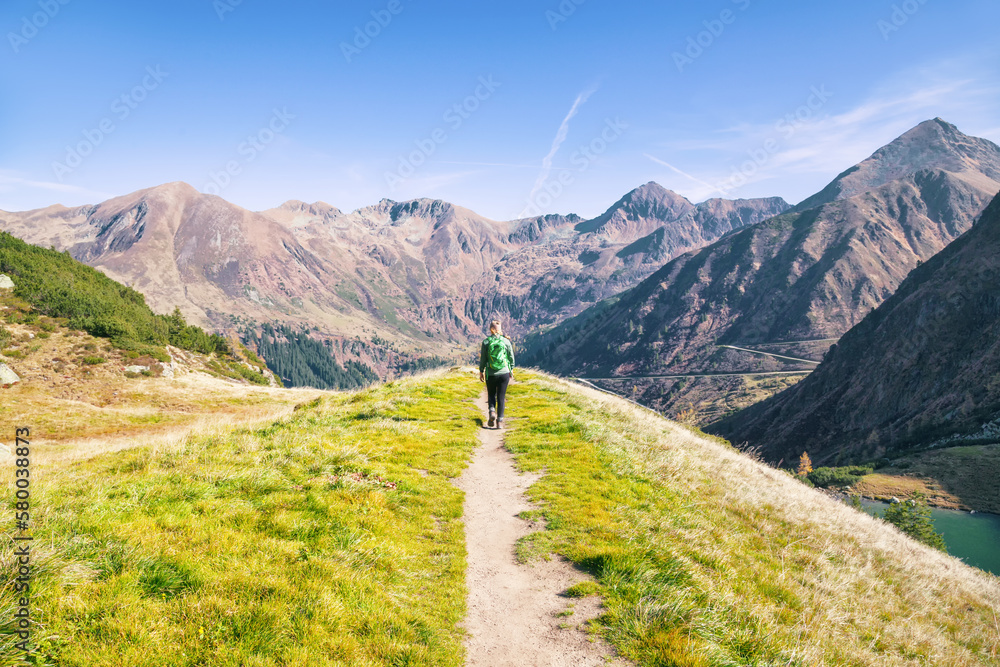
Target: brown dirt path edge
point(514, 609)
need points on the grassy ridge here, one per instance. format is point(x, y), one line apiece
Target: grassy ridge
point(59, 286)
point(335, 538)
point(332, 538)
point(707, 558)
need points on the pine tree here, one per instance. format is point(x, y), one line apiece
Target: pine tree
point(805, 465)
point(913, 517)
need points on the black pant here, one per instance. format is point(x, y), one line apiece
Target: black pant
point(496, 392)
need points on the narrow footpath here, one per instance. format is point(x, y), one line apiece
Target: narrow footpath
point(515, 611)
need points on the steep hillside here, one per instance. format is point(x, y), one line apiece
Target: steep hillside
point(922, 367)
point(342, 522)
point(804, 275)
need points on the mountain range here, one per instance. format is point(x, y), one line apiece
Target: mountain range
point(808, 274)
point(654, 285)
point(423, 274)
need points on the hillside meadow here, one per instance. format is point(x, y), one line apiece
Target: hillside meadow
point(334, 536)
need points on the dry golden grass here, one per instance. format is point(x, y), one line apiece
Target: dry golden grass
point(77, 410)
point(881, 486)
point(824, 583)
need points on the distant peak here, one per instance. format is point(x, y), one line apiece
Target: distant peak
point(653, 189)
point(933, 144)
point(935, 127)
point(176, 186)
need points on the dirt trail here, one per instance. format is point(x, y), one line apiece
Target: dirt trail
point(514, 609)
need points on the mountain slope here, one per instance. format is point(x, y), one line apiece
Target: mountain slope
point(924, 365)
point(806, 274)
point(934, 144)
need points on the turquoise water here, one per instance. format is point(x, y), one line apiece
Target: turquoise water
point(975, 538)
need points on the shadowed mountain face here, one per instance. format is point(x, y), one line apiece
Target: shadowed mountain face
point(923, 366)
point(424, 271)
point(811, 273)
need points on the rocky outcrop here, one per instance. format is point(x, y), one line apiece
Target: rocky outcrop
point(7, 376)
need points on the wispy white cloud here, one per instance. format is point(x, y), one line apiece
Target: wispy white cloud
point(711, 188)
point(11, 182)
point(557, 142)
point(813, 147)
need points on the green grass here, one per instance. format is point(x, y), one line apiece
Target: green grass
point(234, 370)
point(335, 537)
point(707, 558)
point(54, 284)
point(332, 538)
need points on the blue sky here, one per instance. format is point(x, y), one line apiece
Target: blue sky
point(508, 108)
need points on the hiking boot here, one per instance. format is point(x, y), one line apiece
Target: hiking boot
point(493, 418)
point(500, 423)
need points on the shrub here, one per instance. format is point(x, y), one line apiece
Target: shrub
point(913, 517)
point(843, 476)
point(93, 361)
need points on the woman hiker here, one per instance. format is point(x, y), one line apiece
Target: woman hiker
point(496, 367)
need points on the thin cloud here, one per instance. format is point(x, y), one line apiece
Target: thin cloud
point(824, 142)
point(711, 188)
point(491, 164)
point(10, 182)
point(557, 142)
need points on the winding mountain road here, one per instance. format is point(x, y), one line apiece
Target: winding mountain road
point(770, 354)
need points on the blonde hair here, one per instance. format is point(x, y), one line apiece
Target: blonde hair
point(496, 327)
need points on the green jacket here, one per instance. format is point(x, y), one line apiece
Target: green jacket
point(484, 357)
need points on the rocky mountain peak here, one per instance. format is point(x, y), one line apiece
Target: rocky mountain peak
point(932, 145)
point(627, 218)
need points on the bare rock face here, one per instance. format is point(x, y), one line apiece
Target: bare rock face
point(579, 264)
point(921, 367)
point(7, 376)
point(6, 282)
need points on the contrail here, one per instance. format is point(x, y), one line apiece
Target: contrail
point(491, 164)
point(713, 188)
point(561, 135)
